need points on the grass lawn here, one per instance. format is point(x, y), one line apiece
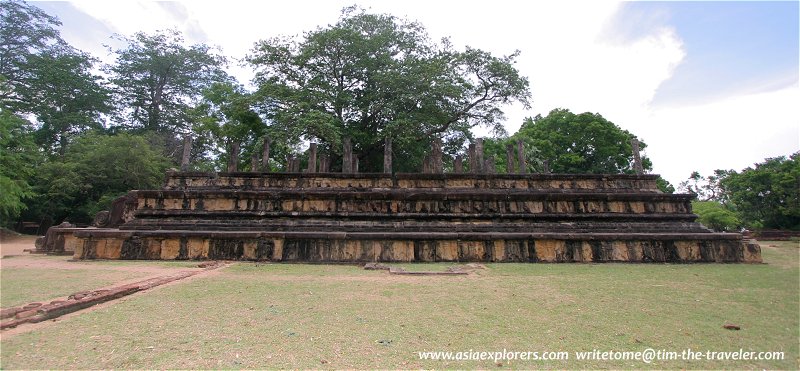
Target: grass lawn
point(41, 277)
point(24, 285)
point(340, 316)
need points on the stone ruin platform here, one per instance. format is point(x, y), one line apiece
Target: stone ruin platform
point(346, 217)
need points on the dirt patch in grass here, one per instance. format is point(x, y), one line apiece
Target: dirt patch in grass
point(784, 254)
point(14, 244)
point(34, 278)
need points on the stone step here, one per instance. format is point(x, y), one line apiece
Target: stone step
point(255, 180)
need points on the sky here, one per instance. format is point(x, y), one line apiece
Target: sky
point(706, 85)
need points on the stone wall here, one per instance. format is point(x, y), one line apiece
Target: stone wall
point(412, 217)
point(365, 247)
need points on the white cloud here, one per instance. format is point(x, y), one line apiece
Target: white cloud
point(733, 133)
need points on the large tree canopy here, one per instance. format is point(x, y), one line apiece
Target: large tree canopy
point(43, 76)
point(583, 143)
point(19, 158)
point(767, 195)
point(66, 98)
point(95, 170)
point(157, 80)
point(26, 31)
point(223, 116)
point(373, 76)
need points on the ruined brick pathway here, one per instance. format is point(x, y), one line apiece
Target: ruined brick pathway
point(38, 312)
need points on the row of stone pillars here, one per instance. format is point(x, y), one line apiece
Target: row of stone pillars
point(432, 163)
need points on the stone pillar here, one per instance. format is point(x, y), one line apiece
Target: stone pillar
point(426, 164)
point(546, 166)
point(637, 159)
point(523, 164)
point(488, 166)
point(354, 166)
point(510, 163)
point(458, 165)
point(312, 158)
point(324, 163)
point(387, 155)
point(436, 156)
point(254, 161)
point(233, 157)
point(265, 155)
point(292, 164)
point(347, 155)
point(472, 157)
point(187, 152)
point(479, 155)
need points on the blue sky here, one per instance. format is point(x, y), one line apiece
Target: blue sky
point(731, 47)
point(707, 85)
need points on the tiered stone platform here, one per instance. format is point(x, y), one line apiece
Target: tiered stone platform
point(412, 217)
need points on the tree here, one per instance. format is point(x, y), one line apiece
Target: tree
point(373, 76)
point(225, 115)
point(768, 195)
point(19, 158)
point(94, 171)
point(26, 31)
point(45, 77)
point(716, 216)
point(708, 188)
point(583, 143)
point(156, 80)
point(66, 97)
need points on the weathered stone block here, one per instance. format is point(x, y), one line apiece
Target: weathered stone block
point(171, 249)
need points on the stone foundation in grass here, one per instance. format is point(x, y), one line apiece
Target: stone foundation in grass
point(329, 217)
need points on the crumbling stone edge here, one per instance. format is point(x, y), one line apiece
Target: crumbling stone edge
point(38, 312)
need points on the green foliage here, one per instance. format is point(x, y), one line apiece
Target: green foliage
point(65, 97)
point(43, 76)
point(372, 76)
point(664, 185)
point(716, 216)
point(767, 196)
point(225, 115)
point(583, 143)
point(26, 31)
point(497, 148)
point(19, 158)
point(95, 170)
point(707, 188)
point(157, 79)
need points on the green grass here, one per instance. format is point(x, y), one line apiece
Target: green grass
point(26, 285)
point(338, 316)
point(424, 267)
point(43, 280)
point(137, 263)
